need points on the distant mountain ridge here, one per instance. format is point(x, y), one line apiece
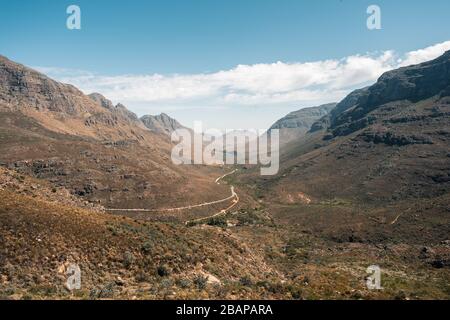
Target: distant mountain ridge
point(297, 123)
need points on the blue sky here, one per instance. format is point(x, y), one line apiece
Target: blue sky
point(151, 54)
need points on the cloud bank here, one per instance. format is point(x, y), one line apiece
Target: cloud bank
point(272, 84)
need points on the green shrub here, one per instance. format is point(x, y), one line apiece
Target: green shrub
point(146, 248)
point(163, 270)
point(201, 282)
point(246, 281)
point(184, 283)
point(128, 259)
point(217, 222)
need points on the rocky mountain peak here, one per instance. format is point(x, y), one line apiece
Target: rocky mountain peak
point(97, 97)
point(161, 123)
point(63, 108)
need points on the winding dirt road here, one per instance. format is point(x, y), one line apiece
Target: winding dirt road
point(225, 175)
point(221, 212)
point(232, 196)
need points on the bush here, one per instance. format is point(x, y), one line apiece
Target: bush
point(201, 282)
point(141, 277)
point(163, 270)
point(147, 247)
point(249, 218)
point(128, 259)
point(296, 292)
point(246, 281)
point(184, 283)
point(166, 283)
point(217, 222)
point(276, 288)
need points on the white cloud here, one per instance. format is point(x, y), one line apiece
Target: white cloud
point(422, 55)
point(273, 84)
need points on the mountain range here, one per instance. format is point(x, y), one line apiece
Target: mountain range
point(363, 181)
point(95, 149)
point(382, 143)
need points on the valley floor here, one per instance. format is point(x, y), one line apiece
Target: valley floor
point(256, 250)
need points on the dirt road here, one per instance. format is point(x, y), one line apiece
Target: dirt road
point(204, 204)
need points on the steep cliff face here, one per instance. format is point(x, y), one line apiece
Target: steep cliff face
point(25, 89)
point(402, 87)
point(63, 108)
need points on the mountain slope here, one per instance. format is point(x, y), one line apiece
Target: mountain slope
point(96, 150)
point(42, 232)
point(409, 85)
point(297, 123)
point(62, 108)
point(371, 181)
point(387, 142)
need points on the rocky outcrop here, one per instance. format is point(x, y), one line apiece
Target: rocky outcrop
point(22, 87)
point(162, 123)
point(118, 111)
point(393, 139)
point(100, 99)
